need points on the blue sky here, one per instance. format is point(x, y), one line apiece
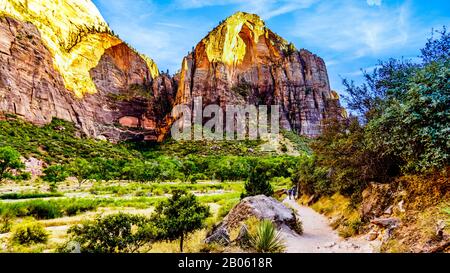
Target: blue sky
point(349, 34)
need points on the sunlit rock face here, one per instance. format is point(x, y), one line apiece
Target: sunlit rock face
point(243, 62)
point(93, 80)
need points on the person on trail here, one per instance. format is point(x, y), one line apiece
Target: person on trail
point(290, 194)
point(295, 192)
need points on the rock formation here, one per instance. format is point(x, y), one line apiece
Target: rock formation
point(243, 62)
point(260, 207)
point(60, 59)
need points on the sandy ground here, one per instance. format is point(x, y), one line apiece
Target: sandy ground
point(319, 237)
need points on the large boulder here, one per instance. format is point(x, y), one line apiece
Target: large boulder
point(260, 207)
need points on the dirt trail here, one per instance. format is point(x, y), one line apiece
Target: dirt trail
point(319, 237)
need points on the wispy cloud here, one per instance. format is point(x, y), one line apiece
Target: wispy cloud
point(265, 8)
point(353, 28)
point(374, 2)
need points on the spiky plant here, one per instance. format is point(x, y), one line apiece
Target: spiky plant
point(267, 239)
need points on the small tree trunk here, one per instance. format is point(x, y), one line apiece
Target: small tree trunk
point(181, 242)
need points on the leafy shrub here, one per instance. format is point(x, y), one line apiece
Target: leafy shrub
point(52, 209)
point(9, 160)
point(29, 232)
point(120, 233)
point(17, 196)
point(259, 181)
point(6, 222)
point(267, 239)
point(179, 216)
point(75, 208)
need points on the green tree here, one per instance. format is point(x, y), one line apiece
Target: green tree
point(311, 178)
point(55, 174)
point(415, 125)
point(179, 216)
point(259, 181)
point(188, 168)
point(119, 233)
point(81, 169)
point(9, 160)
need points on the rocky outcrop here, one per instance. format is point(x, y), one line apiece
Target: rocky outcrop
point(61, 60)
point(243, 62)
point(260, 207)
point(29, 84)
point(128, 101)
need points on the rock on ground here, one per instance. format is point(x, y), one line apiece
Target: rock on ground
point(261, 207)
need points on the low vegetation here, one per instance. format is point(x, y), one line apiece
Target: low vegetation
point(266, 238)
point(29, 232)
point(118, 233)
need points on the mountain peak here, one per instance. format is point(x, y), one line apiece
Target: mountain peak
point(231, 40)
point(74, 32)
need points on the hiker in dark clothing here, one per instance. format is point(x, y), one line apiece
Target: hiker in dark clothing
point(295, 192)
point(290, 194)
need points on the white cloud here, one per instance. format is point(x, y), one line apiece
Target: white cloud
point(265, 8)
point(353, 29)
point(374, 2)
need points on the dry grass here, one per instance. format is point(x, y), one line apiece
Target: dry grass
point(418, 228)
point(193, 244)
point(344, 218)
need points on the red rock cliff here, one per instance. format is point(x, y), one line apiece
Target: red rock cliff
point(243, 62)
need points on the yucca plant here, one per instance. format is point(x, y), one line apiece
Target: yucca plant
point(267, 239)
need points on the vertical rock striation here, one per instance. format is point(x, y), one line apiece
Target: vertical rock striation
point(59, 59)
point(243, 62)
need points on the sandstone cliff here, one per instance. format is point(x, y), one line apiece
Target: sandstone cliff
point(243, 62)
point(60, 59)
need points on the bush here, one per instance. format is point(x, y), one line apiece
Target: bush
point(9, 161)
point(267, 239)
point(18, 196)
point(259, 181)
point(52, 209)
point(6, 222)
point(179, 216)
point(120, 233)
point(29, 232)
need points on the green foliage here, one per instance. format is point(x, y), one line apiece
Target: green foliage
point(55, 174)
point(267, 239)
point(81, 169)
point(311, 178)
point(50, 209)
point(405, 128)
point(415, 124)
point(58, 142)
point(18, 196)
point(226, 206)
point(29, 232)
point(259, 181)
point(9, 161)
point(289, 50)
point(119, 233)
point(6, 222)
point(301, 143)
point(179, 216)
